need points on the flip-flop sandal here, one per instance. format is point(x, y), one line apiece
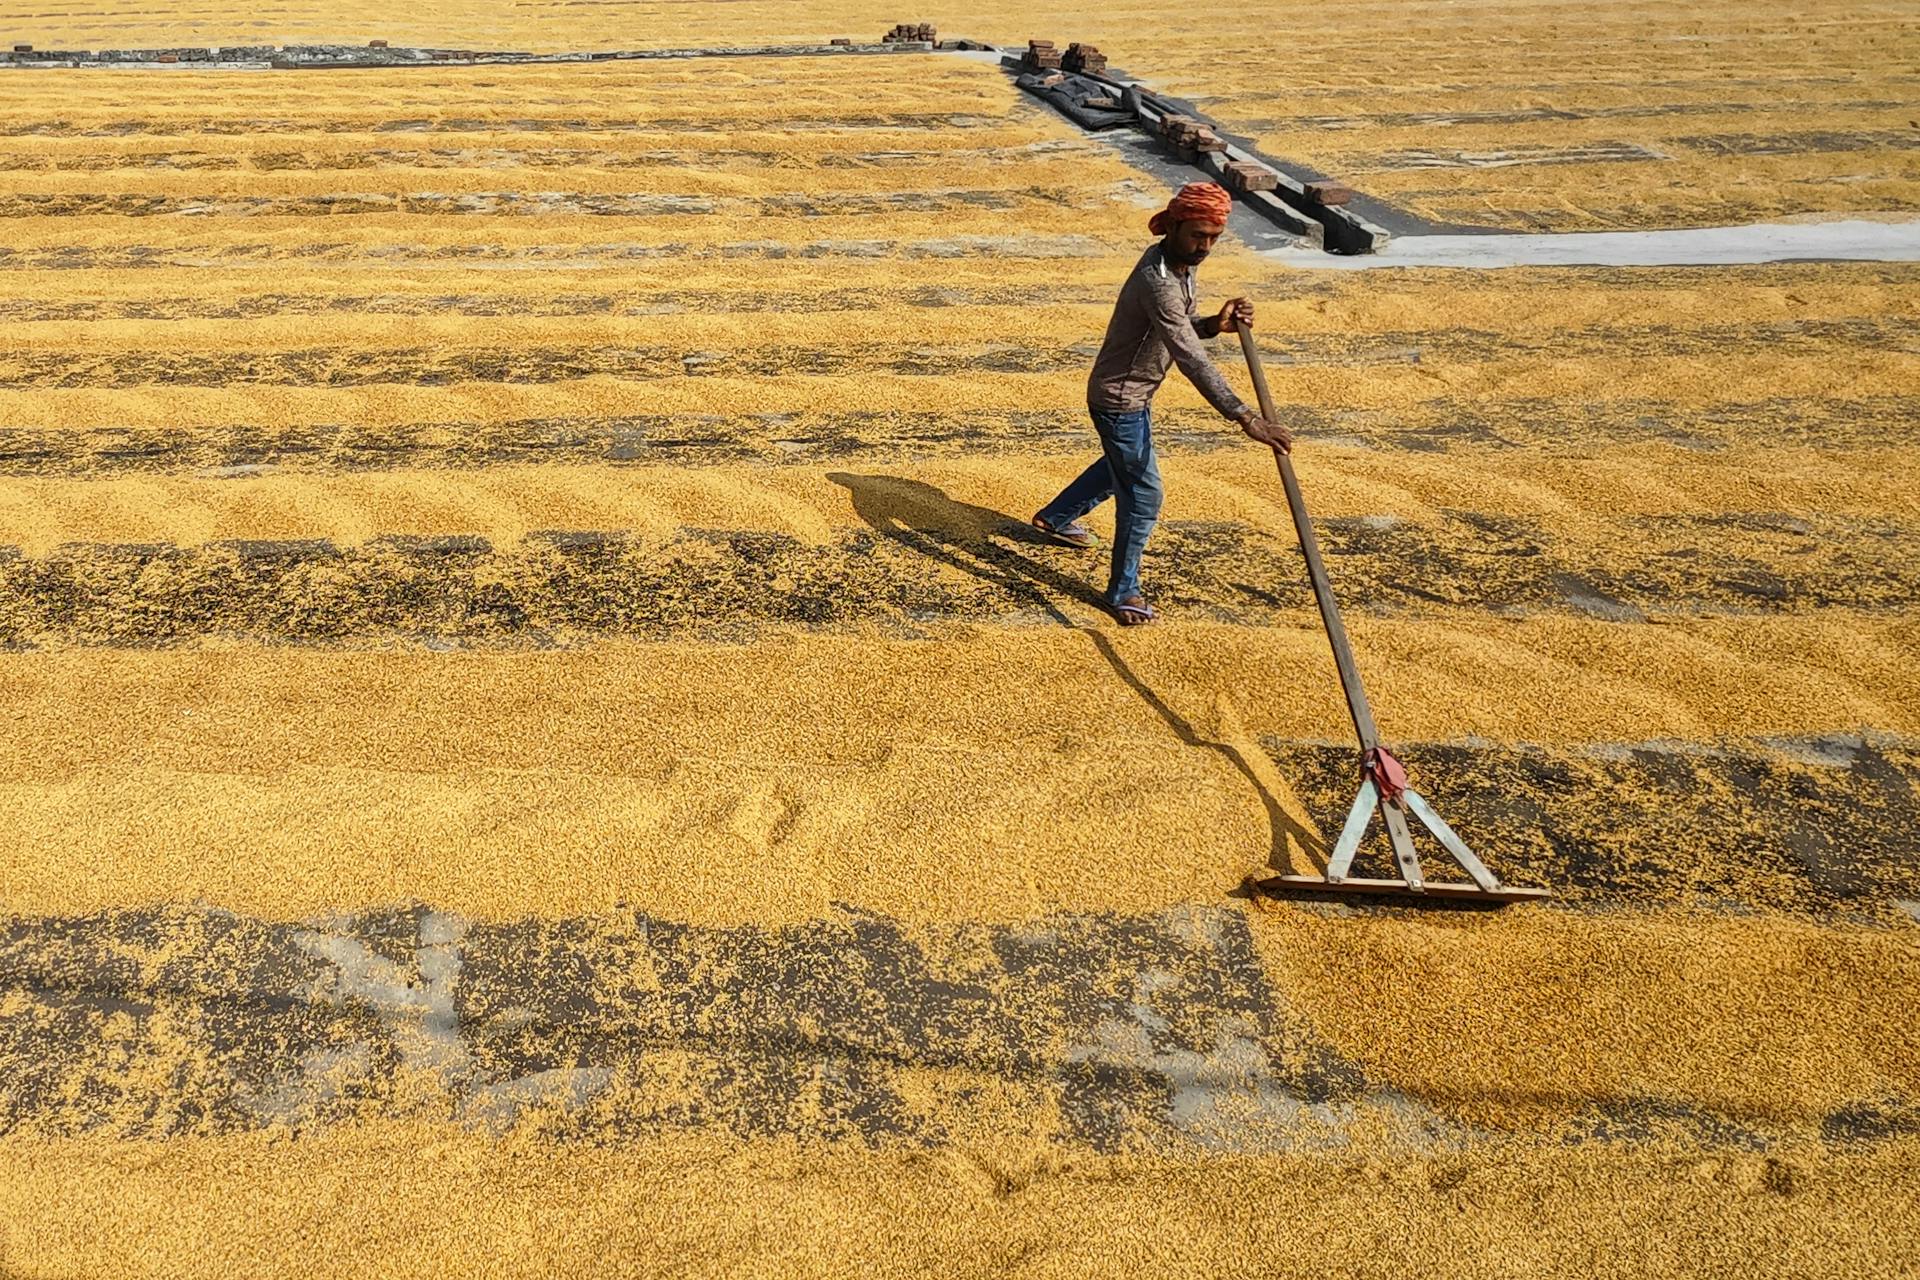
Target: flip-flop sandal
point(1134, 612)
point(1074, 534)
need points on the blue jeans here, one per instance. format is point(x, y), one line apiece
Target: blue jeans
point(1127, 473)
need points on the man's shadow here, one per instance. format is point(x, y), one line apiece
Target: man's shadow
point(922, 518)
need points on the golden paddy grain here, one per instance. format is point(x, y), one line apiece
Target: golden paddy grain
point(970, 774)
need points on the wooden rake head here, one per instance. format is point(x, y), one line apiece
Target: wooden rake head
point(1383, 786)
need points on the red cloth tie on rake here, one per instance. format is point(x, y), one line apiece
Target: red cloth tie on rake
point(1387, 772)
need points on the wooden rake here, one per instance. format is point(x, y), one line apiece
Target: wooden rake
point(1383, 780)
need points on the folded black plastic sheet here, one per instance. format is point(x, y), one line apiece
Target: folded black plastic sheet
point(1069, 97)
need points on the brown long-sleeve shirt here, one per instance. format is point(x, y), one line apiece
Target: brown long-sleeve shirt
point(1153, 328)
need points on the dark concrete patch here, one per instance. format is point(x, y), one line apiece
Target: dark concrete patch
point(1823, 827)
point(1027, 1007)
point(533, 204)
point(1102, 1031)
point(224, 127)
point(1561, 427)
point(1648, 1120)
point(228, 251)
point(1873, 1121)
point(1435, 426)
point(1519, 155)
point(1132, 1030)
point(923, 558)
point(432, 366)
point(1535, 115)
point(603, 304)
point(1809, 142)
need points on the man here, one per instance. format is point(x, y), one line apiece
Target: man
point(1154, 325)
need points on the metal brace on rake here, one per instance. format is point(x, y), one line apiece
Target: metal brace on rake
point(1383, 786)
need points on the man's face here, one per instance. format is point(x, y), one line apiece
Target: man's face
point(1192, 241)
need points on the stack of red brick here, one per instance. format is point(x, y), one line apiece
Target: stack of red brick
point(1250, 175)
point(1042, 56)
point(1189, 137)
point(1083, 57)
point(910, 33)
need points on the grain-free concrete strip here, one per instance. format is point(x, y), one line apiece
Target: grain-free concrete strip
point(1847, 240)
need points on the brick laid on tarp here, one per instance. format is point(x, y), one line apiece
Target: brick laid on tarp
point(1083, 57)
point(1041, 55)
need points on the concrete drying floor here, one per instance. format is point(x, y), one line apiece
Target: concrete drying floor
point(535, 742)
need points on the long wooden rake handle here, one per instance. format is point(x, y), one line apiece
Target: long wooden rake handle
point(1392, 816)
point(1316, 568)
point(1384, 783)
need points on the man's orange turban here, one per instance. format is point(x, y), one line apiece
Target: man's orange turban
point(1207, 201)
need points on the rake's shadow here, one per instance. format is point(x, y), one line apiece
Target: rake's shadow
point(922, 518)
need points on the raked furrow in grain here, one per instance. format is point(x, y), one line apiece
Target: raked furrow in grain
point(868, 436)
